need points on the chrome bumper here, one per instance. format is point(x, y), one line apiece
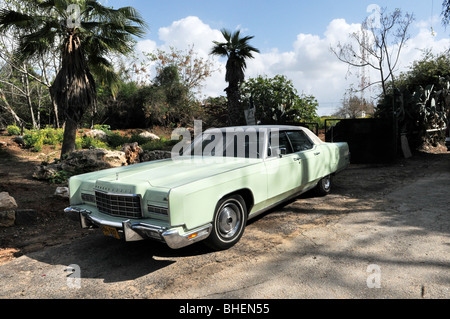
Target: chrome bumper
point(134, 231)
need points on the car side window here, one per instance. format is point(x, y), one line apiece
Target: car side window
point(283, 141)
point(299, 140)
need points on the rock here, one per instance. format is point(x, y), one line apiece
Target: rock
point(25, 217)
point(132, 152)
point(7, 202)
point(149, 135)
point(97, 134)
point(148, 156)
point(46, 172)
point(62, 192)
point(115, 159)
point(93, 160)
point(80, 162)
point(7, 218)
point(3, 144)
point(19, 140)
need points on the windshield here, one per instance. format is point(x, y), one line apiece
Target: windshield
point(230, 142)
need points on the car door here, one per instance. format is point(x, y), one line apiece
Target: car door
point(312, 157)
point(283, 168)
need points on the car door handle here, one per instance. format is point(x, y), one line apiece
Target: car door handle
point(316, 153)
point(297, 159)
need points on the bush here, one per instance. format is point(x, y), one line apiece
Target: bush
point(163, 144)
point(115, 140)
point(103, 127)
point(52, 136)
point(13, 130)
point(36, 139)
point(33, 140)
point(90, 142)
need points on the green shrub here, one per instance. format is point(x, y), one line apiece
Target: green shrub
point(60, 177)
point(139, 139)
point(33, 140)
point(163, 145)
point(36, 139)
point(52, 136)
point(90, 142)
point(103, 127)
point(13, 130)
point(115, 140)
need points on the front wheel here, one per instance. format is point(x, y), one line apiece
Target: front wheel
point(324, 186)
point(229, 223)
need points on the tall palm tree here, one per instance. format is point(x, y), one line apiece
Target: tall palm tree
point(237, 50)
point(85, 33)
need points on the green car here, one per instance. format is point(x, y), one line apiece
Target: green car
point(209, 188)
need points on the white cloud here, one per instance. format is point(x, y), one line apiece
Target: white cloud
point(311, 65)
point(191, 30)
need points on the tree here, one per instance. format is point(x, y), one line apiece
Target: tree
point(237, 50)
point(277, 101)
point(354, 107)
point(378, 45)
point(446, 12)
point(85, 33)
point(422, 99)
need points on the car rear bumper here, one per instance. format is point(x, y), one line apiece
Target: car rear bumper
point(132, 230)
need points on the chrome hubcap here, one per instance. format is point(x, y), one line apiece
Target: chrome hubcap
point(326, 183)
point(229, 220)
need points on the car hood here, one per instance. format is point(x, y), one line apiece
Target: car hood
point(170, 173)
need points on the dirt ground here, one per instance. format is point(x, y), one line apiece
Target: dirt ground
point(54, 228)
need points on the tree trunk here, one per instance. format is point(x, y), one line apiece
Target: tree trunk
point(28, 97)
point(234, 110)
point(73, 89)
point(9, 108)
point(70, 135)
point(55, 111)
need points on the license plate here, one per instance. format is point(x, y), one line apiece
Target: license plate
point(110, 232)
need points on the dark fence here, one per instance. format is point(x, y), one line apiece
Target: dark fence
point(369, 140)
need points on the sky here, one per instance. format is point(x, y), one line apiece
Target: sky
point(293, 36)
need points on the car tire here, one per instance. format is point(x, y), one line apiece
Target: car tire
point(230, 219)
point(323, 188)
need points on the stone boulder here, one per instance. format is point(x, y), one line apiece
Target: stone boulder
point(148, 156)
point(149, 135)
point(93, 160)
point(80, 162)
point(97, 134)
point(7, 202)
point(62, 192)
point(7, 210)
point(132, 152)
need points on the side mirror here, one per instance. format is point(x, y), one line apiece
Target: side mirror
point(277, 152)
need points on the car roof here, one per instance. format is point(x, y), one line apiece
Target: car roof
point(313, 137)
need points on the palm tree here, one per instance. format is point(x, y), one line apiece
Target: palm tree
point(84, 33)
point(237, 50)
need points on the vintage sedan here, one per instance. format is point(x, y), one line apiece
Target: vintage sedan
point(209, 189)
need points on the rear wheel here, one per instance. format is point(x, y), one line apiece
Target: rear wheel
point(229, 223)
point(324, 186)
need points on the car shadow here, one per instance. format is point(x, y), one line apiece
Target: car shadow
point(101, 257)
